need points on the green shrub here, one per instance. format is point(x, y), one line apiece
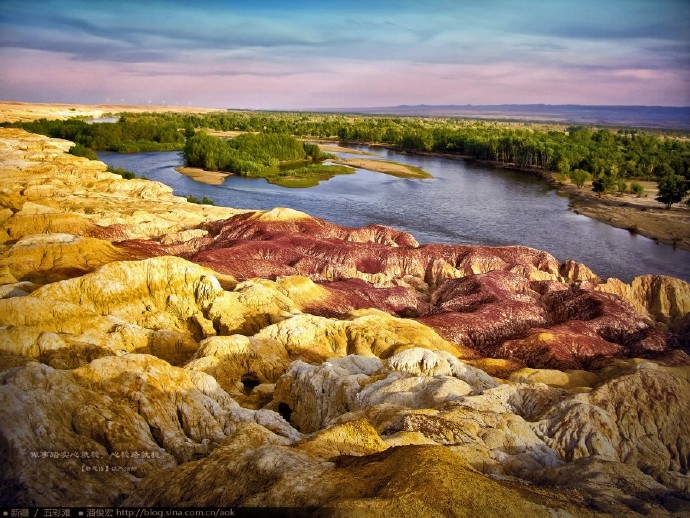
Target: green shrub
point(562, 177)
point(637, 189)
point(580, 177)
point(79, 150)
point(201, 201)
point(127, 175)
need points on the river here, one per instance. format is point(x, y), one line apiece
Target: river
point(465, 203)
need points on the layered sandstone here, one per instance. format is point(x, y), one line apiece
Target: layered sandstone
point(156, 352)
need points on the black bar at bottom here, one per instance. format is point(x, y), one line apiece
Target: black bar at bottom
point(168, 512)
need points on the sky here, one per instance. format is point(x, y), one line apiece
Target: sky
point(295, 55)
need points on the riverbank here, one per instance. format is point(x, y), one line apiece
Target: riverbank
point(644, 216)
point(639, 215)
point(335, 148)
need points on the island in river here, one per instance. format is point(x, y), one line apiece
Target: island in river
point(308, 179)
point(203, 176)
point(280, 159)
point(385, 167)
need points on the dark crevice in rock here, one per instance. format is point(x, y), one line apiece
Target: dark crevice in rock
point(285, 411)
point(157, 435)
point(249, 381)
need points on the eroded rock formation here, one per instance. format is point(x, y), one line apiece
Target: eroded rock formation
point(156, 352)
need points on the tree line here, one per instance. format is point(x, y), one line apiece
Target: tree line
point(623, 153)
point(603, 156)
point(124, 136)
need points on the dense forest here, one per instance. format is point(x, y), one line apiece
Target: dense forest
point(605, 156)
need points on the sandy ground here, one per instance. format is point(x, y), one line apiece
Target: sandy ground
point(202, 176)
point(643, 215)
point(382, 166)
point(334, 148)
point(11, 111)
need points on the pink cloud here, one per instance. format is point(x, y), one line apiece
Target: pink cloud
point(47, 76)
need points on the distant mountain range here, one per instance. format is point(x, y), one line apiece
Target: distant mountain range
point(663, 117)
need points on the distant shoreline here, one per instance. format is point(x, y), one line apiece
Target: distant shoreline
point(17, 111)
point(671, 118)
point(643, 216)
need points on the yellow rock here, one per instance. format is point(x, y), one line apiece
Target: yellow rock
point(404, 481)
point(301, 290)
point(555, 378)
point(280, 214)
point(573, 271)
point(50, 191)
point(383, 335)
point(665, 299)
point(497, 367)
point(145, 306)
point(232, 359)
point(356, 437)
point(52, 257)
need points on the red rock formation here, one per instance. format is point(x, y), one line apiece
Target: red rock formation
point(322, 250)
point(507, 302)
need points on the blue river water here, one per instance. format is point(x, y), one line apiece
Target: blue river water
point(465, 203)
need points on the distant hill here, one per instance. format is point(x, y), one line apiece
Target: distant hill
point(664, 117)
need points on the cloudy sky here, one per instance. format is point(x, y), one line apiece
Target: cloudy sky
point(353, 53)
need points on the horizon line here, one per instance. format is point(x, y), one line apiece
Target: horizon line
point(325, 108)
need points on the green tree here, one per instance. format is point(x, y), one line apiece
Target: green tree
point(602, 184)
point(563, 165)
point(201, 201)
point(662, 170)
point(189, 131)
point(672, 189)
